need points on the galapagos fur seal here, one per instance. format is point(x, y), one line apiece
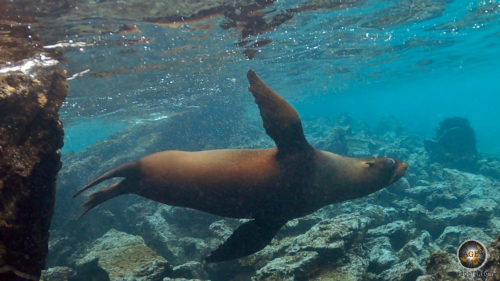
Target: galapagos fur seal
point(269, 186)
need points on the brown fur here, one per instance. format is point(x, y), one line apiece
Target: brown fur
point(269, 185)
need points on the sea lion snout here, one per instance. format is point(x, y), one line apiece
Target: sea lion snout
point(383, 171)
point(399, 171)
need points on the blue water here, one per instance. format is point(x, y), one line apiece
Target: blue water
point(373, 60)
point(412, 63)
point(84, 133)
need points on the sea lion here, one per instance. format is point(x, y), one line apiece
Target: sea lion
point(269, 185)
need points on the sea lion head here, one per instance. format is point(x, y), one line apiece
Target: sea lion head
point(379, 172)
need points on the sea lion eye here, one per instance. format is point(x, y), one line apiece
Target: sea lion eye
point(389, 162)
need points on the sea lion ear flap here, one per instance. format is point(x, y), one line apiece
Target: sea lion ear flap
point(368, 164)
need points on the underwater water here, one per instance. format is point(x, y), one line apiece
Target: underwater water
point(386, 72)
point(418, 61)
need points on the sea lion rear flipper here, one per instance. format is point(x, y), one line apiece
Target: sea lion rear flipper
point(281, 121)
point(126, 170)
point(247, 239)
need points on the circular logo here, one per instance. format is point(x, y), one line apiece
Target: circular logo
point(472, 254)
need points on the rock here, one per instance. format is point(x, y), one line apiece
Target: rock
point(157, 231)
point(399, 232)
point(32, 88)
point(182, 279)
point(296, 258)
point(407, 270)
point(60, 249)
point(458, 198)
point(418, 173)
point(289, 267)
point(196, 247)
point(490, 167)
point(353, 268)
point(442, 266)
point(345, 136)
point(436, 220)
point(462, 184)
point(456, 189)
point(58, 273)
point(361, 145)
point(381, 254)
point(442, 199)
point(125, 257)
point(400, 147)
point(434, 172)
point(419, 248)
point(331, 139)
point(91, 269)
point(453, 236)
point(492, 266)
point(298, 226)
point(330, 237)
point(420, 193)
point(454, 145)
point(170, 235)
point(190, 270)
point(375, 215)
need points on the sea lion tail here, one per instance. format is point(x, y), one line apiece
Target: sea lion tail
point(124, 170)
point(100, 196)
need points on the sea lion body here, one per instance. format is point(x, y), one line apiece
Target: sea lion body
point(247, 179)
point(270, 186)
point(199, 179)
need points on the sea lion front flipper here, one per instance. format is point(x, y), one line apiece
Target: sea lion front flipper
point(281, 121)
point(247, 239)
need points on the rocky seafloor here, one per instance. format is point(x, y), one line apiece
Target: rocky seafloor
point(409, 230)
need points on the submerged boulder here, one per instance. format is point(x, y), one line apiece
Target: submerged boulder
point(125, 257)
point(454, 145)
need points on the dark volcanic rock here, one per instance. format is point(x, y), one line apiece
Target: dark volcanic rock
point(32, 88)
point(454, 145)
